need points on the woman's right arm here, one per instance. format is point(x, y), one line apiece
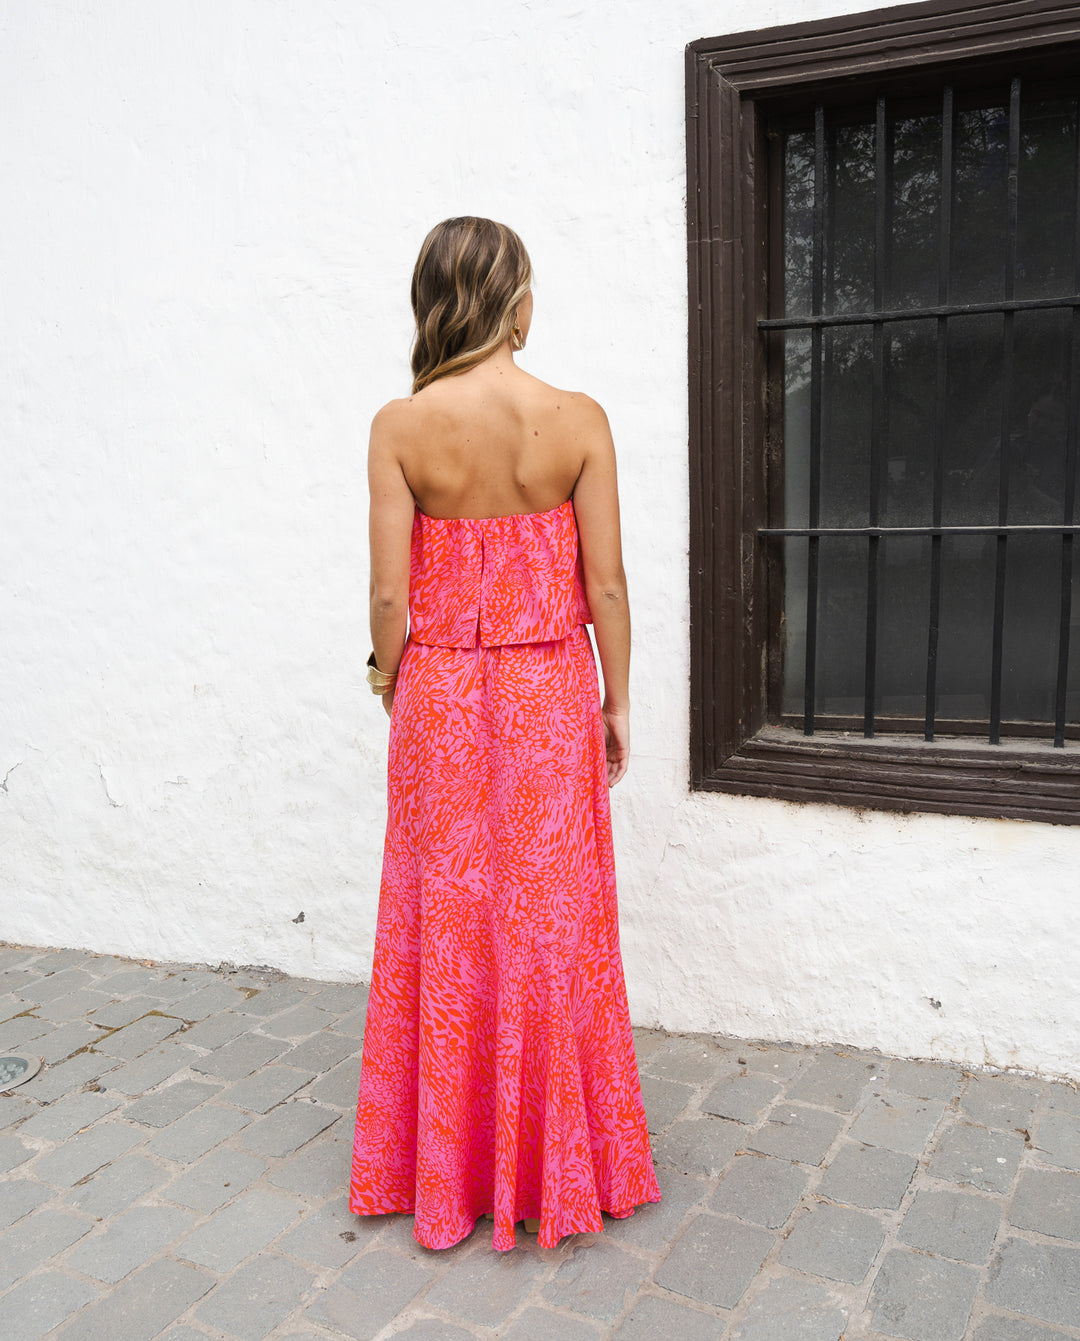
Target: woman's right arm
point(596, 504)
point(390, 521)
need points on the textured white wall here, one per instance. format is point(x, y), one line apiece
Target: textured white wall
point(212, 210)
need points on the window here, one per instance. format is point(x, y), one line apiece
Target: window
point(885, 371)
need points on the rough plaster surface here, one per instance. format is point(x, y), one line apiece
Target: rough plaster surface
point(213, 213)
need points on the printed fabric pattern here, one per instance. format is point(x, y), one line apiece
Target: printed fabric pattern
point(498, 1072)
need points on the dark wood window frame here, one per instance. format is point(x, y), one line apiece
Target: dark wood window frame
point(731, 84)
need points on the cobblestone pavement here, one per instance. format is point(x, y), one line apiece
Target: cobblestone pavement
point(178, 1170)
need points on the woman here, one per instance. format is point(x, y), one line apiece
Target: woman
point(498, 1073)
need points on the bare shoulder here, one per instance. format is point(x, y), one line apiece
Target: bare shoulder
point(394, 417)
point(580, 414)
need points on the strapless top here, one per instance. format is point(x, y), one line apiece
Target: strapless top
point(496, 581)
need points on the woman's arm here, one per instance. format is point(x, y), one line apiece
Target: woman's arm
point(596, 503)
point(390, 521)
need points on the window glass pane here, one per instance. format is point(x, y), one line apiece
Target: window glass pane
point(1032, 614)
point(796, 346)
point(798, 221)
point(1046, 198)
point(846, 408)
point(966, 627)
point(849, 218)
point(972, 455)
point(903, 625)
point(910, 424)
point(911, 271)
point(980, 173)
point(1039, 417)
point(841, 633)
point(795, 562)
point(1072, 691)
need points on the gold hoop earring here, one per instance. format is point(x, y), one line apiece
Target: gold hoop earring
point(517, 340)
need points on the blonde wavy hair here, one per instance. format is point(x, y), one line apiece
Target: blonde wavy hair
point(470, 276)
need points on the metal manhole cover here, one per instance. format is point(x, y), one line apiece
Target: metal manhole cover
point(15, 1067)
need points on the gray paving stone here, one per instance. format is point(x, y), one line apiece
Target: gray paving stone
point(370, 1293)
point(65, 1040)
point(216, 1030)
point(20, 1029)
point(12, 1152)
point(1064, 1098)
point(15, 1109)
point(342, 998)
point(486, 1287)
point(538, 1324)
point(653, 1316)
point(689, 1060)
point(190, 1137)
point(208, 1000)
point(332, 1235)
point(700, 1145)
point(317, 1171)
point(115, 1014)
point(130, 1240)
point(352, 1024)
point(1039, 1279)
point(714, 1260)
point(760, 1189)
point(240, 1057)
point(265, 1089)
point(926, 1080)
point(53, 960)
point(653, 1226)
point(985, 1159)
point(803, 1134)
point(135, 1039)
point(300, 1022)
point(287, 1128)
point(1059, 1140)
point(170, 1104)
point(434, 1329)
point(52, 985)
point(11, 955)
point(999, 1328)
point(148, 1071)
point(868, 1176)
point(780, 1063)
point(129, 981)
point(596, 1279)
point(53, 1081)
point(744, 1098)
point(923, 1298)
point(664, 1100)
point(85, 1153)
point(278, 997)
point(174, 986)
point(1000, 1101)
point(18, 1197)
point(898, 1121)
point(245, 1227)
point(34, 1308)
point(952, 1224)
point(34, 1240)
point(114, 1188)
point(62, 1119)
point(72, 1006)
point(183, 1333)
point(834, 1242)
point(215, 1180)
point(143, 1305)
point(1049, 1203)
point(320, 1052)
point(835, 1080)
point(340, 1086)
point(795, 1310)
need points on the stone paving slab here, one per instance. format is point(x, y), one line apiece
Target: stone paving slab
point(178, 1172)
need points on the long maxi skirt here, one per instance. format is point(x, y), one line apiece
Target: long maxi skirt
point(498, 1067)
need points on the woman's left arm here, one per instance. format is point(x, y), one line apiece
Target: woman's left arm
point(390, 522)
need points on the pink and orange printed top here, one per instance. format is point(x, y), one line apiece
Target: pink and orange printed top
point(496, 581)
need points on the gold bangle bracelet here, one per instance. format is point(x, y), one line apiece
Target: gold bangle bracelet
point(380, 682)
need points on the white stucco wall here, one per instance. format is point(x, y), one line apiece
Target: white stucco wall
point(212, 211)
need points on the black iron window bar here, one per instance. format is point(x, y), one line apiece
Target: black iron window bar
point(879, 318)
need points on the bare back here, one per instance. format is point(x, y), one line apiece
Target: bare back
point(491, 442)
